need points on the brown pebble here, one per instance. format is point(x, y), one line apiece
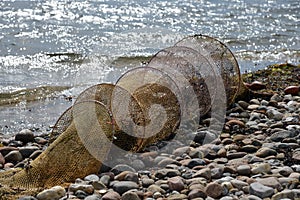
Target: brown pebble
point(293, 90)
point(256, 85)
point(214, 190)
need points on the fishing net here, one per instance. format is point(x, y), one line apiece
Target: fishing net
point(218, 54)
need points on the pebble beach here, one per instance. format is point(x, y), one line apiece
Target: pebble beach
point(257, 156)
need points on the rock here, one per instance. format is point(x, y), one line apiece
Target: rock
point(166, 161)
point(276, 97)
point(270, 182)
point(285, 194)
point(161, 173)
point(256, 85)
point(2, 160)
point(205, 173)
point(244, 170)
point(252, 107)
point(238, 184)
point(260, 190)
point(274, 114)
point(27, 198)
point(249, 148)
point(214, 190)
point(146, 182)
point(27, 151)
point(265, 152)
point(261, 168)
point(40, 140)
point(5, 150)
point(98, 185)
point(181, 150)
point(280, 135)
point(156, 188)
point(80, 194)
point(91, 177)
point(243, 104)
point(35, 154)
point(233, 122)
point(216, 173)
point(54, 193)
point(130, 195)
point(122, 167)
point(195, 162)
point(197, 193)
point(177, 196)
point(138, 164)
point(176, 183)
point(13, 157)
point(93, 197)
point(111, 195)
point(105, 179)
point(123, 186)
point(293, 90)
point(25, 136)
point(86, 188)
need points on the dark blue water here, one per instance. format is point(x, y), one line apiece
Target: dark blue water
point(95, 33)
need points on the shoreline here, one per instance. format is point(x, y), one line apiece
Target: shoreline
point(258, 149)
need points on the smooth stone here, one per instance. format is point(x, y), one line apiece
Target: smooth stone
point(146, 182)
point(156, 188)
point(270, 182)
point(2, 159)
point(196, 193)
point(260, 190)
point(176, 183)
point(216, 173)
point(138, 164)
point(276, 97)
point(166, 173)
point(120, 168)
point(166, 161)
point(254, 101)
point(13, 157)
point(27, 198)
point(249, 148)
point(265, 152)
point(253, 107)
point(285, 194)
point(105, 179)
point(238, 184)
point(86, 188)
point(235, 155)
point(111, 195)
point(261, 168)
point(35, 154)
point(214, 190)
point(280, 135)
point(237, 122)
point(284, 171)
point(293, 90)
point(5, 150)
point(40, 140)
point(98, 185)
point(25, 136)
point(195, 162)
point(27, 151)
point(274, 114)
point(132, 177)
point(123, 186)
point(91, 177)
point(177, 197)
point(205, 173)
point(80, 194)
point(93, 197)
point(243, 104)
point(54, 193)
point(244, 170)
point(181, 150)
point(130, 195)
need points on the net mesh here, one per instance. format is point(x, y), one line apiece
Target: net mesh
point(145, 106)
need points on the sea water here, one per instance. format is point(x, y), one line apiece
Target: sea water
point(81, 43)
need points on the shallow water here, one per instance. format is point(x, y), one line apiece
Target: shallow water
point(77, 43)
